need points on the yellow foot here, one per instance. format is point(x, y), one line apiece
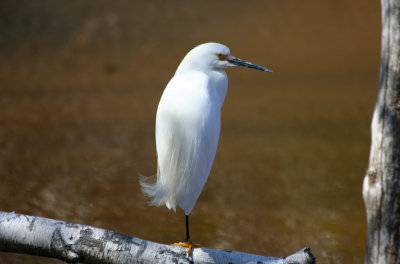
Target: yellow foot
point(187, 244)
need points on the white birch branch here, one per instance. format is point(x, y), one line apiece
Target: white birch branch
point(74, 243)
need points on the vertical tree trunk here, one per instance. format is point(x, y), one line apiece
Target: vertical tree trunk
point(381, 190)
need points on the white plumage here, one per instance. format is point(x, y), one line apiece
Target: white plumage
point(188, 125)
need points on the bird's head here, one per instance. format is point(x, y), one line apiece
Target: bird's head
point(212, 56)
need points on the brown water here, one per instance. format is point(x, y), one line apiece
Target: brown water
point(79, 87)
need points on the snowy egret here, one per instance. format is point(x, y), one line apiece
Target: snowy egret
point(188, 124)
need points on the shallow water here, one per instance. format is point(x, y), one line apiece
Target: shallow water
point(79, 90)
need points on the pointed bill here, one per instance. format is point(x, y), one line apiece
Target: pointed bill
point(240, 62)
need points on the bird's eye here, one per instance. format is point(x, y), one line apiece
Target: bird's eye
point(221, 56)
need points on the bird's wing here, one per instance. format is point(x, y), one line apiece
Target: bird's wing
point(187, 132)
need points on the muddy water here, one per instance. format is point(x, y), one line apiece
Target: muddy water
point(79, 90)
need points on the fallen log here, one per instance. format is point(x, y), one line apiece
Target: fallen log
point(75, 243)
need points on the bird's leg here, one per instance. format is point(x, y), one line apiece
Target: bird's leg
point(187, 242)
point(187, 229)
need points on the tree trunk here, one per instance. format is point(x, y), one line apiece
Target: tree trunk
point(79, 243)
point(381, 188)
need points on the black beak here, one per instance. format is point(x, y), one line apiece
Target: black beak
point(240, 62)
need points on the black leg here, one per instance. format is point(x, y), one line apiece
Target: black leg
point(187, 229)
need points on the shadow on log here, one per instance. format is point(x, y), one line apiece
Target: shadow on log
point(80, 243)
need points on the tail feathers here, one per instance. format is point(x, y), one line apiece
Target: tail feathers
point(156, 192)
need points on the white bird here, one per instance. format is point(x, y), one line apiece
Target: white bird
point(188, 124)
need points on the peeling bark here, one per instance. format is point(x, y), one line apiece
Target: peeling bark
point(381, 188)
point(74, 243)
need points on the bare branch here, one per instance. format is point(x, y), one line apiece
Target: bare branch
point(80, 243)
